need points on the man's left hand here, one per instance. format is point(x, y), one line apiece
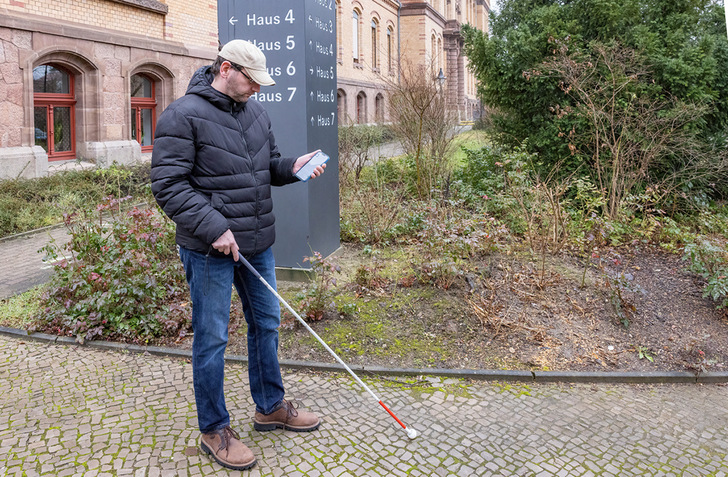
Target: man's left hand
point(301, 161)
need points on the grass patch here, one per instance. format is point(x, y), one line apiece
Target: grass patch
point(472, 139)
point(16, 312)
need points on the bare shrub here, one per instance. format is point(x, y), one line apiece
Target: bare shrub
point(424, 123)
point(372, 207)
point(355, 144)
point(542, 204)
point(634, 139)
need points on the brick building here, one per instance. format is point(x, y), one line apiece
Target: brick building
point(86, 79)
point(376, 36)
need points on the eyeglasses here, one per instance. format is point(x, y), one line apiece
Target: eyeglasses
point(240, 69)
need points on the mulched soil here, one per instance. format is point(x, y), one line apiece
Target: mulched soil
point(639, 310)
point(635, 309)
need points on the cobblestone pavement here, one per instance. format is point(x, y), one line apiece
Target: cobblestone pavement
point(69, 410)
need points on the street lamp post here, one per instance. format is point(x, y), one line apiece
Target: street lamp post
point(440, 79)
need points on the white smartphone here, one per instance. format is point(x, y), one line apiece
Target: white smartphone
point(304, 173)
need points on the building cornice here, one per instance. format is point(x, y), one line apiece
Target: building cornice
point(150, 5)
point(422, 8)
point(393, 3)
point(36, 24)
point(484, 3)
point(341, 81)
point(452, 27)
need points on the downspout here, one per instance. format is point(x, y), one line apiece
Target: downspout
point(399, 42)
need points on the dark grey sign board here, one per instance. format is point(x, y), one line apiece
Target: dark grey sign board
point(298, 38)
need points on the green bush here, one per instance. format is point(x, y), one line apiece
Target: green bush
point(710, 261)
point(493, 178)
point(480, 175)
point(116, 278)
point(372, 135)
point(684, 44)
point(28, 204)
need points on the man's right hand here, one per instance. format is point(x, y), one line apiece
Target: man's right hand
point(227, 244)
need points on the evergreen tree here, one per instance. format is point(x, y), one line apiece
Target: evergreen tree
point(680, 61)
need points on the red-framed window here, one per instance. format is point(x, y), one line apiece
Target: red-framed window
point(55, 112)
point(143, 111)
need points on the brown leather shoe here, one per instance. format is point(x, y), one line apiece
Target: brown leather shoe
point(286, 417)
point(225, 447)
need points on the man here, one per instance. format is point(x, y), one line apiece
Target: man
point(214, 161)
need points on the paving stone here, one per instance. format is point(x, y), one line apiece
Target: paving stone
point(114, 413)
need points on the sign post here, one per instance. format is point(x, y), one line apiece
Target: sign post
point(298, 38)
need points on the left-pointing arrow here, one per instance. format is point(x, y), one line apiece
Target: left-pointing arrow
point(233, 21)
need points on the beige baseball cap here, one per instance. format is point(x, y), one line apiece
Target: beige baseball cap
point(249, 56)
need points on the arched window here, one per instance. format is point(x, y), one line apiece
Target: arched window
point(355, 36)
point(361, 108)
point(390, 48)
point(379, 108)
point(55, 112)
point(143, 107)
point(375, 43)
point(341, 106)
point(433, 52)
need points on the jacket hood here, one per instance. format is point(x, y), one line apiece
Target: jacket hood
point(201, 85)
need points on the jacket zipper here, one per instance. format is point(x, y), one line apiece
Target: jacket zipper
point(255, 179)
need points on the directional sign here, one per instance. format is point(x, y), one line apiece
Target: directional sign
point(298, 38)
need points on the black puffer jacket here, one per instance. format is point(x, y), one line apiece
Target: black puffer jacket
point(213, 165)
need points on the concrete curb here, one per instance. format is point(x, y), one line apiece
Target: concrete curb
point(29, 233)
point(60, 225)
point(658, 377)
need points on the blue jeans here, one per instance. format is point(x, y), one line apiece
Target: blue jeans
point(211, 280)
